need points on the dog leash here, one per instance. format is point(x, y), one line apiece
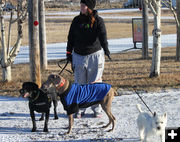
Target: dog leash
point(143, 101)
point(64, 68)
point(67, 61)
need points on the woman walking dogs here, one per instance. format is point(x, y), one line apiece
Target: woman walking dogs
point(86, 46)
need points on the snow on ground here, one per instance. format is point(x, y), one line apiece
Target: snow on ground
point(100, 11)
point(111, 16)
point(58, 50)
point(110, 12)
point(49, 13)
point(15, 121)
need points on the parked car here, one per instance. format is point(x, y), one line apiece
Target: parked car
point(8, 7)
point(132, 4)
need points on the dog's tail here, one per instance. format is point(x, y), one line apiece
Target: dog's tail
point(139, 107)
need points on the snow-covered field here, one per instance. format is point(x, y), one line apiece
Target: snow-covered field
point(58, 50)
point(15, 121)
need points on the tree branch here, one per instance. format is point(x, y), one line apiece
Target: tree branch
point(149, 2)
point(168, 4)
point(21, 16)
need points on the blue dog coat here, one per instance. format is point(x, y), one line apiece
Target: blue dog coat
point(82, 96)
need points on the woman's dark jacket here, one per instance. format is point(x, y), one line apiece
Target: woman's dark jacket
point(83, 39)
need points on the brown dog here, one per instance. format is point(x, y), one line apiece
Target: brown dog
point(63, 88)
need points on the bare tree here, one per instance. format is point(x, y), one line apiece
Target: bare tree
point(107, 2)
point(176, 13)
point(155, 6)
point(9, 55)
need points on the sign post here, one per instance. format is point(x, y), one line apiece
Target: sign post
point(137, 30)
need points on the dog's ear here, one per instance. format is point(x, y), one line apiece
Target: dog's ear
point(154, 115)
point(56, 76)
point(51, 76)
point(30, 86)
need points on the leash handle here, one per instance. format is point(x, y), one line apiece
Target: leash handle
point(109, 57)
point(64, 68)
point(143, 102)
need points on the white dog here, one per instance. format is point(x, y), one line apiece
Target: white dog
point(149, 125)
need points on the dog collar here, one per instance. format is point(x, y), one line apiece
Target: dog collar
point(36, 97)
point(61, 83)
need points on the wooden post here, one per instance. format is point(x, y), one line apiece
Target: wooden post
point(42, 35)
point(34, 42)
point(145, 53)
point(178, 31)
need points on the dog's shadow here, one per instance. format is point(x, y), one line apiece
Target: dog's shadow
point(96, 130)
point(60, 115)
point(11, 130)
point(88, 115)
point(13, 115)
point(110, 140)
point(104, 139)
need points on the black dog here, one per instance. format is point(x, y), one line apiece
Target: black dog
point(38, 101)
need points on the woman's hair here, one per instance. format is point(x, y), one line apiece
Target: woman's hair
point(90, 12)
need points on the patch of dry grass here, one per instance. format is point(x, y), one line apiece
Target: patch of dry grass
point(127, 70)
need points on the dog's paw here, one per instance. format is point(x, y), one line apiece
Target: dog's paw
point(110, 130)
point(67, 133)
point(45, 130)
point(41, 119)
point(66, 127)
point(56, 117)
point(33, 130)
point(105, 126)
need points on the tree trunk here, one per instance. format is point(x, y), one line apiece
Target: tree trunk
point(6, 69)
point(156, 57)
point(178, 31)
point(34, 42)
point(42, 35)
point(145, 53)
